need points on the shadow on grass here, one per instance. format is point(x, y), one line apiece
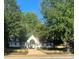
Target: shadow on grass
point(50, 51)
point(60, 49)
point(53, 50)
point(15, 51)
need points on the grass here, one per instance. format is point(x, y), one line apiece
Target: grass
point(15, 51)
point(49, 53)
point(54, 51)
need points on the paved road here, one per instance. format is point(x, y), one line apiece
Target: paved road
point(38, 58)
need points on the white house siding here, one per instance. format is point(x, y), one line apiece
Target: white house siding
point(36, 40)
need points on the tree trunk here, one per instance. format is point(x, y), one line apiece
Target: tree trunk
point(67, 47)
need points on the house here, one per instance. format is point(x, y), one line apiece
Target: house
point(14, 42)
point(32, 43)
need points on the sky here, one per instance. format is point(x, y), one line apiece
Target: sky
point(30, 6)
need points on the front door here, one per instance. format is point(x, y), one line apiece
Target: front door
point(32, 44)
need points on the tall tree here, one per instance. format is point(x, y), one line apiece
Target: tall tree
point(32, 23)
point(59, 15)
point(11, 19)
point(34, 26)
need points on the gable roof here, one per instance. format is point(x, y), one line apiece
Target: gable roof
point(36, 39)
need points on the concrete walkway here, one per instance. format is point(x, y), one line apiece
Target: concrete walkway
point(35, 52)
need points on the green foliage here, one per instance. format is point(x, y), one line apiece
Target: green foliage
point(59, 15)
point(18, 24)
point(12, 17)
point(13, 22)
point(10, 5)
point(33, 25)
